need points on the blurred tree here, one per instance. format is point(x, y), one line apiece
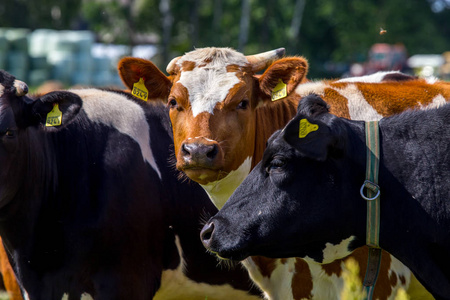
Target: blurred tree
point(35, 14)
point(321, 30)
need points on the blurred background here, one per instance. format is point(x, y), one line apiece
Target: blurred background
point(79, 42)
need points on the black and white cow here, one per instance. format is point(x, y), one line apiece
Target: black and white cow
point(303, 199)
point(92, 208)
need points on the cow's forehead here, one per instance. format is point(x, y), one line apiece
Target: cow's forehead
point(214, 58)
point(205, 75)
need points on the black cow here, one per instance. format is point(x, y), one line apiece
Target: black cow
point(303, 198)
point(92, 208)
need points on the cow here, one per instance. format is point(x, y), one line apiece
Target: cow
point(222, 115)
point(90, 208)
point(303, 199)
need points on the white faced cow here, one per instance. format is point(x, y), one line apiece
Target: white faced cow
point(222, 115)
point(303, 199)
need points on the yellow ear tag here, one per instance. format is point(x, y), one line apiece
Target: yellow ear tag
point(306, 128)
point(139, 90)
point(279, 91)
point(54, 117)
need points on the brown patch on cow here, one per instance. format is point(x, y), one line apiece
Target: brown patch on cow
point(393, 279)
point(9, 279)
point(402, 279)
point(302, 284)
point(384, 286)
point(234, 68)
point(270, 118)
point(392, 98)
point(265, 265)
point(444, 87)
point(333, 268)
point(187, 66)
point(283, 261)
point(338, 103)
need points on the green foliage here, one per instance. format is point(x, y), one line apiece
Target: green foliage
point(338, 31)
point(353, 288)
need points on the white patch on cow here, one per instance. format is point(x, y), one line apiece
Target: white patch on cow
point(26, 296)
point(117, 111)
point(358, 107)
point(325, 286)
point(437, 101)
point(279, 285)
point(372, 78)
point(86, 296)
point(431, 80)
point(315, 87)
point(209, 82)
point(2, 90)
point(219, 191)
point(333, 252)
point(175, 285)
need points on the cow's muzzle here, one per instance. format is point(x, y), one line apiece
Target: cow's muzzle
point(201, 153)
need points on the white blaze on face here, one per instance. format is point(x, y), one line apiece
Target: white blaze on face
point(2, 90)
point(219, 191)
point(209, 82)
point(117, 111)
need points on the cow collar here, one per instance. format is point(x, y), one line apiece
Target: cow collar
point(373, 206)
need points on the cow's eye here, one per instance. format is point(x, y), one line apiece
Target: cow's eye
point(276, 164)
point(172, 103)
point(243, 104)
point(10, 133)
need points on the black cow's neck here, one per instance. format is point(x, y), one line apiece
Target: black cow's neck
point(411, 230)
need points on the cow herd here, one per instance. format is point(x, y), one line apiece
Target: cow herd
point(94, 201)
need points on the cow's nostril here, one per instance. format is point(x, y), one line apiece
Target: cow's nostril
point(206, 234)
point(212, 152)
point(185, 149)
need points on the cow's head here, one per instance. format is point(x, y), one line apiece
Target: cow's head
point(212, 94)
point(19, 113)
point(300, 199)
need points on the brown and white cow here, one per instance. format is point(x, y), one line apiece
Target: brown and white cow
point(222, 116)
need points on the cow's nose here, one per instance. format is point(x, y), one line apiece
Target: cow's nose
point(199, 152)
point(206, 234)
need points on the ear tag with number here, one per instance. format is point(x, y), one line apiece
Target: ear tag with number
point(139, 90)
point(306, 128)
point(54, 117)
point(279, 91)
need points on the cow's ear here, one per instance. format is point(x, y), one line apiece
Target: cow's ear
point(282, 77)
point(311, 137)
point(133, 70)
point(55, 110)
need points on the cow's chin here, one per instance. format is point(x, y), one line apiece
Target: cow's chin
point(203, 175)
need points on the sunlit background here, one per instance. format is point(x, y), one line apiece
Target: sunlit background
point(79, 42)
